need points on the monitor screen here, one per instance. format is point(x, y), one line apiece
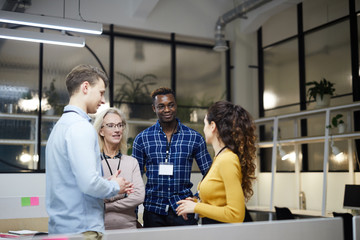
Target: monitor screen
point(352, 196)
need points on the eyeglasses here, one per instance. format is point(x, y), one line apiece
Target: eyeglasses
point(114, 125)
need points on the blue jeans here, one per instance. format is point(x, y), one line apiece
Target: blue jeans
point(156, 220)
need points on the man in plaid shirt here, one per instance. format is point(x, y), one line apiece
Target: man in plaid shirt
point(165, 152)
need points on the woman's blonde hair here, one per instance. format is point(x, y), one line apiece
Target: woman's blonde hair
point(98, 124)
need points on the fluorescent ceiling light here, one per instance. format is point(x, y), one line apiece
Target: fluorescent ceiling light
point(58, 39)
point(50, 22)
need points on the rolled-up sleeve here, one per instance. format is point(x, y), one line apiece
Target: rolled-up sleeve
point(86, 167)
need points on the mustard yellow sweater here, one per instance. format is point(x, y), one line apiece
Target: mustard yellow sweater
point(221, 194)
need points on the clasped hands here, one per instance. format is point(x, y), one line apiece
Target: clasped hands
point(186, 206)
point(125, 186)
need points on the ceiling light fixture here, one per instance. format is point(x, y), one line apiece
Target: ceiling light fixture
point(220, 42)
point(51, 22)
point(238, 12)
point(57, 39)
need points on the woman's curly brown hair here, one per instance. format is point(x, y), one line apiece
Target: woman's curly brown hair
point(237, 131)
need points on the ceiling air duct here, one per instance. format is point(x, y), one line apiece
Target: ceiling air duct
point(237, 12)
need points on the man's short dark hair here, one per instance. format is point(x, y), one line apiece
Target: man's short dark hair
point(161, 91)
point(82, 73)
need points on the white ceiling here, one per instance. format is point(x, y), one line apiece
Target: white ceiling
point(188, 17)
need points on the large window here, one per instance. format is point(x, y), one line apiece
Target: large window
point(323, 50)
point(19, 103)
point(207, 85)
point(140, 66)
point(319, 48)
point(136, 63)
point(281, 73)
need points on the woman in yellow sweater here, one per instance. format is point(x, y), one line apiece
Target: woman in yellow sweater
point(228, 184)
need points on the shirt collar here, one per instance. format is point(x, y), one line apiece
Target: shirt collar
point(78, 111)
point(118, 155)
point(158, 126)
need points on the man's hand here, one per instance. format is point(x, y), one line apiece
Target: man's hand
point(125, 186)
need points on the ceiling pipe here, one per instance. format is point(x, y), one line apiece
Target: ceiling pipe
point(237, 12)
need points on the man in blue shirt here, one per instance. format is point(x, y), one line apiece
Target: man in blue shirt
point(75, 188)
point(165, 151)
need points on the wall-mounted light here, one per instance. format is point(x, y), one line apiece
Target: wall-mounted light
point(270, 99)
point(289, 156)
point(335, 150)
point(57, 39)
point(50, 22)
point(25, 157)
point(282, 153)
point(338, 155)
point(286, 156)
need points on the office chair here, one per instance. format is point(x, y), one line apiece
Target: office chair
point(283, 213)
point(347, 223)
point(248, 217)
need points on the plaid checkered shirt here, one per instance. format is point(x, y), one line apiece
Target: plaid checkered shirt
point(149, 148)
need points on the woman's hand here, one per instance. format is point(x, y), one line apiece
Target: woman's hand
point(185, 206)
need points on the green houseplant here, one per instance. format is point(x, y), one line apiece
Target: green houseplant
point(53, 98)
point(135, 92)
point(321, 92)
point(337, 122)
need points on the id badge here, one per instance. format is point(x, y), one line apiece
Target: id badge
point(166, 168)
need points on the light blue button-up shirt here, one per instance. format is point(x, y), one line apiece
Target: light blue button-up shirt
point(75, 188)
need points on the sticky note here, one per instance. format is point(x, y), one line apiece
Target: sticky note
point(25, 201)
point(34, 201)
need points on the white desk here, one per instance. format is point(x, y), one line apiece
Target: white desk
point(296, 212)
point(299, 229)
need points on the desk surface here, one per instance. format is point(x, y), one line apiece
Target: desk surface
point(303, 229)
point(298, 212)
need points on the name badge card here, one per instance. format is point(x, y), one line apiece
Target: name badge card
point(166, 168)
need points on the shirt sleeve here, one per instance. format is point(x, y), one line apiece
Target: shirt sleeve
point(234, 209)
point(138, 153)
point(81, 140)
point(202, 156)
point(134, 199)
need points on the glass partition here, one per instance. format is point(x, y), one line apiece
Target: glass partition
point(140, 65)
point(281, 75)
point(19, 104)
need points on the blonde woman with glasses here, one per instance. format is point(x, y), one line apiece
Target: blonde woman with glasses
point(120, 211)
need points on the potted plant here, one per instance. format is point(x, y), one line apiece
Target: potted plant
point(136, 93)
point(337, 122)
point(321, 92)
point(53, 99)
